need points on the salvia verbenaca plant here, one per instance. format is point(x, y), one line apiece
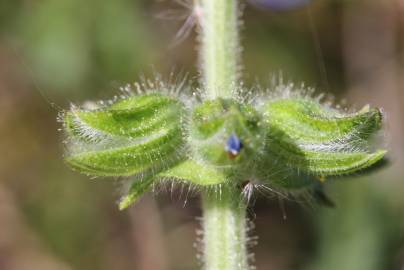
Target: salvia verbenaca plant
point(220, 139)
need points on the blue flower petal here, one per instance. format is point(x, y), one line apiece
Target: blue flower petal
point(279, 5)
point(233, 145)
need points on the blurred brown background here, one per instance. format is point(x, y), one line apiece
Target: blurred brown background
point(56, 52)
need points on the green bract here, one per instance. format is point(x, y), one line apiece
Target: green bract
point(213, 122)
point(286, 143)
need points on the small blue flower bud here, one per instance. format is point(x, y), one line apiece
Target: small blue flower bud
point(233, 145)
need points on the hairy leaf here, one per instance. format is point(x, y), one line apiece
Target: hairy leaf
point(324, 163)
point(134, 135)
point(129, 159)
point(137, 189)
point(309, 138)
point(195, 173)
point(307, 121)
point(134, 117)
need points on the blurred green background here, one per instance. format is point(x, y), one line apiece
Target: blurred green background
point(54, 52)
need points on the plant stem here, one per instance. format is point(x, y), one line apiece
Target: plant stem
point(224, 221)
point(220, 48)
point(224, 226)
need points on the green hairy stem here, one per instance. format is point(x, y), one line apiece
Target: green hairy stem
point(224, 221)
point(224, 231)
point(219, 52)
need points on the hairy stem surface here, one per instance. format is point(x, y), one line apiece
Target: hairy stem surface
point(224, 221)
point(225, 232)
point(220, 46)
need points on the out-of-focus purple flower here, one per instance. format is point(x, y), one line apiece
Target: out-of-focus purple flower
point(279, 5)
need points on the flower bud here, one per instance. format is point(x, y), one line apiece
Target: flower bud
point(279, 5)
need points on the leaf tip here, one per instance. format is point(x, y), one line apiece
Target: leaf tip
point(124, 203)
